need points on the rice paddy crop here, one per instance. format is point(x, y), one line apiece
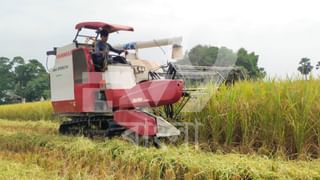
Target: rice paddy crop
point(272, 116)
point(269, 117)
point(15, 170)
point(27, 111)
point(47, 155)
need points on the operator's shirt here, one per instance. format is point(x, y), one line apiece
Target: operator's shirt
point(102, 49)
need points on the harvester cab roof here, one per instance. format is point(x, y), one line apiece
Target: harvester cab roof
point(96, 27)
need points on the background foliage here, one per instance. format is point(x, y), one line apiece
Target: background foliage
point(202, 55)
point(22, 79)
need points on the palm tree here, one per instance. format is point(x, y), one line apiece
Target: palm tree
point(305, 67)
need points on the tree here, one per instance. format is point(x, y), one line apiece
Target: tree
point(203, 55)
point(20, 79)
point(305, 67)
point(6, 79)
point(32, 80)
point(226, 57)
point(262, 73)
point(200, 56)
point(214, 56)
point(250, 63)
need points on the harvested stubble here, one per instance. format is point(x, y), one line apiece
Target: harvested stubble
point(78, 157)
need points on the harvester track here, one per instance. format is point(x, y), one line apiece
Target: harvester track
point(104, 127)
point(90, 127)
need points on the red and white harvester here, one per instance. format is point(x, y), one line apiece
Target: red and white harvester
point(113, 101)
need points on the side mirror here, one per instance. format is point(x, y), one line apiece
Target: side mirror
point(53, 52)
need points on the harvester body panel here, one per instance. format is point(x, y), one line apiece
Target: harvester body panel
point(61, 76)
point(74, 85)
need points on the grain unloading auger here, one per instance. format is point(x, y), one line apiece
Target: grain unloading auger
point(116, 100)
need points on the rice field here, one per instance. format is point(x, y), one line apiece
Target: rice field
point(27, 111)
point(252, 130)
point(47, 155)
point(271, 117)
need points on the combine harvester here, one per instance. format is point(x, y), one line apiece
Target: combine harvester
point(117, 100)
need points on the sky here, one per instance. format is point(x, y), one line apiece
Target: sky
point(281, 32)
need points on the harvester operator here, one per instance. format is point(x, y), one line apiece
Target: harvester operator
point(102, 49)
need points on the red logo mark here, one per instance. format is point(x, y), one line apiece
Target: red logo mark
point(64, 54)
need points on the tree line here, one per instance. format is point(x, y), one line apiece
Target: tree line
point(22, 80)
point(202, 55)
